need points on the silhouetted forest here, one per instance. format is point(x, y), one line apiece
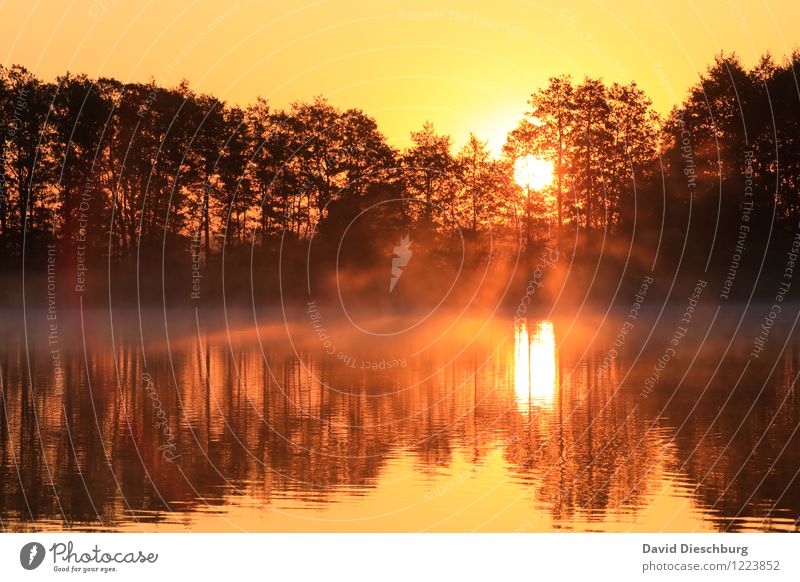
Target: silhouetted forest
point(109, 187)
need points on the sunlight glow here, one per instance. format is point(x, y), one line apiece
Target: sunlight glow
point(533, 172)
point(535, 365)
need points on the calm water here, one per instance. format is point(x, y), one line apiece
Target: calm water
point(186, 423)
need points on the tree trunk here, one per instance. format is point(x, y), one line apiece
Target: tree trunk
point(205, 218)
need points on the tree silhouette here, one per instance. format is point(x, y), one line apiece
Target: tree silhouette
point(484, 182)
point(125, 172)
point(429, 171)
point(547, 131)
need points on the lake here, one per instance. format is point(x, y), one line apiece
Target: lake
point(323, 422)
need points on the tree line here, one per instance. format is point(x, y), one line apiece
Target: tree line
point(114, 168)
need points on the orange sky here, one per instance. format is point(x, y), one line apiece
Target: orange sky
point(466, 66)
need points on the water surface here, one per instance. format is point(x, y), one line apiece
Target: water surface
point(307, 423)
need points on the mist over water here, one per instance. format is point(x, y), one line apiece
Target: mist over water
point(304, 422)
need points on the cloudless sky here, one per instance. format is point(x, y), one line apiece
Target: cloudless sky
point(465, 66)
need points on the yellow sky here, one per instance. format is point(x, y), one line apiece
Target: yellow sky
point(465, 66)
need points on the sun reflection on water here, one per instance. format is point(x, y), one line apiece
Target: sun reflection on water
point(535, 381)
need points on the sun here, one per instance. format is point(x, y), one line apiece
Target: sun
point(533, 172)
